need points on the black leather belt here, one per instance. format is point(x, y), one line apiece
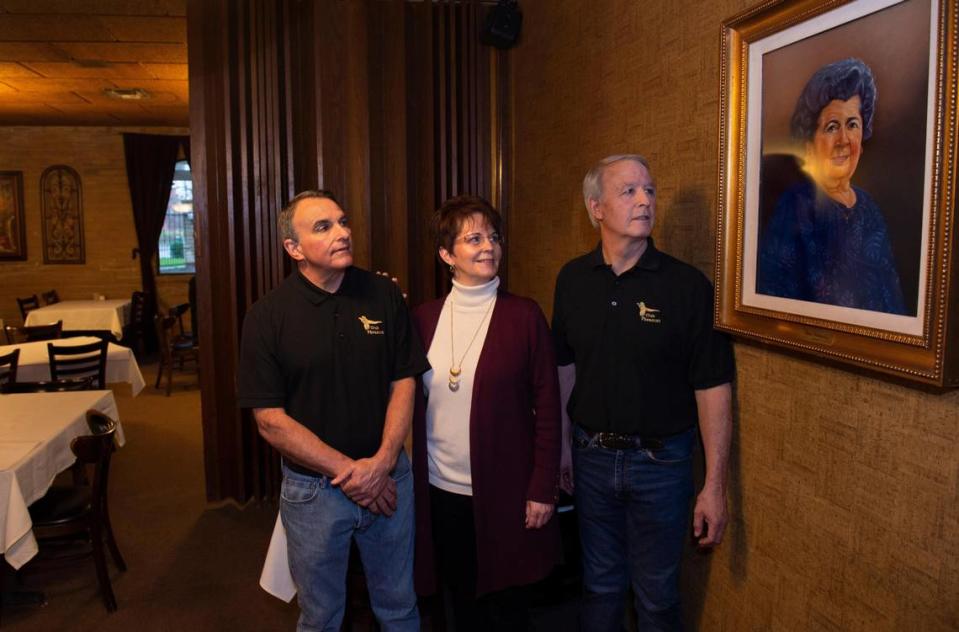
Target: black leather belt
point(623, 441)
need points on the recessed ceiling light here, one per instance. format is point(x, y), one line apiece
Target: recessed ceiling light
point(127, 94)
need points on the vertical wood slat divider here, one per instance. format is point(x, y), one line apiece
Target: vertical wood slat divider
point(391, 109)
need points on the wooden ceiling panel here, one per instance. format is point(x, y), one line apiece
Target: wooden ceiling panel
point(125, 51)
point(74, 85)
point(9, 69)
point(73, 71)
point(46, 96)
point(53, 28)
point(168, 71)
point(31, 51)
point(146, 29)
point(96, 7)
point(58, 56)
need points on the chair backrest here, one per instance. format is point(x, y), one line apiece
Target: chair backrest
point(28, 304)
point(76, 361)
point(96, 449)
point(51, 386)
point(51, 297)
point(177, 312)
point(138, 308)
point(33, 333)
point(164, 327)
point(8, 367)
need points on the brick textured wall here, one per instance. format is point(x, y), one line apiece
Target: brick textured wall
point(97, 155)
point(844, 488)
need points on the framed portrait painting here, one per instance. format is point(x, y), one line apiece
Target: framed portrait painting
point(837, 182)
point(13, 231)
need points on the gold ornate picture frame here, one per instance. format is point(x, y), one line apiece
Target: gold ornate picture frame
point(837, 183)
point(13, 230)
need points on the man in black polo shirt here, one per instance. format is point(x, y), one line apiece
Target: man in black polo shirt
point(637, 352)
point(328, 363)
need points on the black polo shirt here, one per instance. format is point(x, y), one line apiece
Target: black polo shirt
point(643, 342)
point(328, 359)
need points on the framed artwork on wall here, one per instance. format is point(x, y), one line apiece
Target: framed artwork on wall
point(837, 182)
point(13, 230)
point(61, 208)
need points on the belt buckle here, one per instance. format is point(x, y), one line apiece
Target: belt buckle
point(616, 441)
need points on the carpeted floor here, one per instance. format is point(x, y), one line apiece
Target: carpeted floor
point(191, 566)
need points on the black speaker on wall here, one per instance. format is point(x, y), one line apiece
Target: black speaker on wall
point(503, 24)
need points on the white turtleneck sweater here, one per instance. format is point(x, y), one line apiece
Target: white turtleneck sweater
point(448, 412)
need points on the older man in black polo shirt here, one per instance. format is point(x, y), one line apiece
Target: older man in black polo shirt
point(637, 352)
point(328, 363)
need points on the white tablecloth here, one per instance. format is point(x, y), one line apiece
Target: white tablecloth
point(110, 315)
point(35, 434)
point(34, 364)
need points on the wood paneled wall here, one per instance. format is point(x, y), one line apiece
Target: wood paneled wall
point(392, 105)
point(844, 490)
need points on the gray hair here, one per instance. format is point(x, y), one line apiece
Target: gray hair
point(284, 221)
point(593, 182)
point(838, 81)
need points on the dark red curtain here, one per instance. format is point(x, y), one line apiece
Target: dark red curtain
point(151, 161)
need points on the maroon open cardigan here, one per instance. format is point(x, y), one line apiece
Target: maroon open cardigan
point(515, 433)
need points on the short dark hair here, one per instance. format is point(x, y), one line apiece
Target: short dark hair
point(449, 218)
point(838, 81)
point(284, 221)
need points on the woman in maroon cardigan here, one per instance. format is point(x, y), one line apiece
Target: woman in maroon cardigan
point(486, 432)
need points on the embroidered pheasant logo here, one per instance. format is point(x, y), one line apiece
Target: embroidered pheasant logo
point(648, 314)
point(371, 326)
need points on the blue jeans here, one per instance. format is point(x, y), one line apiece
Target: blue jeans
point(320, 522)
point(633, 508)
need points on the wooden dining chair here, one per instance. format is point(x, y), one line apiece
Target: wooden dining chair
point(77, 361)
point(134, 330)
point(79, 510)
point(47, 386)
point(51, 297)
point(8, 367)
point(173, 350)
point(33, 333)
point(27, 305)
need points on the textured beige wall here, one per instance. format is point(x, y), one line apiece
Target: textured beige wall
point(97, 155)
point(845, 488)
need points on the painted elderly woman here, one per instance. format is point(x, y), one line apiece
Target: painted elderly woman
point(827, 240)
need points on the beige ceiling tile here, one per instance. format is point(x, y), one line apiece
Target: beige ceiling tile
point(57, 84)
point(96, 7)
point(41, 96)
point(10, 70)
point(53, 28)
point(14, 114)
point(74, 71)
point(168, 71)
point(30, 51)
point(146, 29)
point(124, 51)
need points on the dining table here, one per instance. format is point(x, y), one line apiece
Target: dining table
point(93, 315)
point(34, 363)
point(35, 434)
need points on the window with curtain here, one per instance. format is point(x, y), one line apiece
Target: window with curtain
point(175, 248)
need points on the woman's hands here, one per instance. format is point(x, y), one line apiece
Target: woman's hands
point(538, 514)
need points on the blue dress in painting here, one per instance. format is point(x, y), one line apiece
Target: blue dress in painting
point(816, 249)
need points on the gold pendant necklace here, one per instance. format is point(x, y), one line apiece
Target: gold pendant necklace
point(456, 368)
